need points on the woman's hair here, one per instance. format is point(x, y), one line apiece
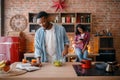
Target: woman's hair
point(80, 26)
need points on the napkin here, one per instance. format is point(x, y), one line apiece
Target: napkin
point(26, 66)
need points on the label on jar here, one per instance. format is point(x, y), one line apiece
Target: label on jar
point(63, 19)
point(73, 20)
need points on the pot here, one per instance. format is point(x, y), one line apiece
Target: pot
point(86, 63)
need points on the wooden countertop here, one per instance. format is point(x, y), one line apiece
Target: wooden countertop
point(48, 71)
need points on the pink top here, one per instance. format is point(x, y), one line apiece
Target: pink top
point(81, 40)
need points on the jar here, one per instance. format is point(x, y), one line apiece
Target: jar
point(68, 19)
point(73, 19)
point(63, 19)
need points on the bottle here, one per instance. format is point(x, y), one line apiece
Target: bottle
point(88, 18)
point(82, 19)
point(34, 19)
point(56, 19)
point(68, 19)
point(73, 19)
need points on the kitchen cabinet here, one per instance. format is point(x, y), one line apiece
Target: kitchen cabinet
point(103, 43)
point(104, 46)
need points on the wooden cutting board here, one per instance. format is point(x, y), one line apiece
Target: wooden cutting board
point(13, 71)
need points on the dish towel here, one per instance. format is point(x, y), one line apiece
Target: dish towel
point(27, 67)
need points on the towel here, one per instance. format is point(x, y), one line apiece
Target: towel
point(27, 67)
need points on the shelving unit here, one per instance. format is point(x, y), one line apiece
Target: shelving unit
point(67, 20)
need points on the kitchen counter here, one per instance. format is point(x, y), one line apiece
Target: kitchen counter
point(66, 72)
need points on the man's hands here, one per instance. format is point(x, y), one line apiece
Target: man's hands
point(65, 51)
point(37, 63)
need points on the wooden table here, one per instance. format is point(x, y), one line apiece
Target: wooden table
point(66, 72)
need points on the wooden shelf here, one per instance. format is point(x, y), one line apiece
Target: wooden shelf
point(33, 23)
point(70, 20)
point(84, 23)
point(106, 48)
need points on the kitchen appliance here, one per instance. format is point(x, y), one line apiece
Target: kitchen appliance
point(93, 71)
point(111, 67)
point(9, 49)
point(106, 42)
point(106, 55)
point(86, 63)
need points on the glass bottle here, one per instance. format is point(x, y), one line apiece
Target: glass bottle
point(82, 19)
point(88, 18)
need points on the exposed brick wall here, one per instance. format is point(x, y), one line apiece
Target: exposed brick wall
point(105, 13)
point(0, 18)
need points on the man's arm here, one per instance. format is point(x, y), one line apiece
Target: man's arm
point(65, 51)
point(66, 43)
point(37, 50)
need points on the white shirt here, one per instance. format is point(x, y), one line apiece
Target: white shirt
point(82, 36)
point(50, 40)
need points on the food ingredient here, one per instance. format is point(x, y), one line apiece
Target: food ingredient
point(4, 66)
point(57, 63)
point(24, 61)
point(34, 61)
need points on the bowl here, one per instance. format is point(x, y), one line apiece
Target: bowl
point(101, 66)
point(59, 62)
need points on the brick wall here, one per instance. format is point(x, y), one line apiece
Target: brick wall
point(0, 18)
point(105, 13)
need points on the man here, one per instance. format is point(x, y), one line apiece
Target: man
point(51, 41)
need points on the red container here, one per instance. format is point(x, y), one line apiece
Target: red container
point(9, 49)
point(68, 20)
point(86, 64)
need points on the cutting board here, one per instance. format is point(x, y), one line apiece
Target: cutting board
point(13, 71)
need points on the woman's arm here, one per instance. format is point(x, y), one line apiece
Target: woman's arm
point(86, 41)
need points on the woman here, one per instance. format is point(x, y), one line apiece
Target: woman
point(81, 41)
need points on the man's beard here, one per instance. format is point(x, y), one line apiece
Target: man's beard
point(42, 24)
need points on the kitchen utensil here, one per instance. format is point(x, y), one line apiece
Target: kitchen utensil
point(86, 63)
point(101, 65)
point(111, 67)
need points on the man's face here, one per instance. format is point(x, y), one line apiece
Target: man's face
point(41, 21)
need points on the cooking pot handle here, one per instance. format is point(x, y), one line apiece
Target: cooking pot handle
point(82, 62)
